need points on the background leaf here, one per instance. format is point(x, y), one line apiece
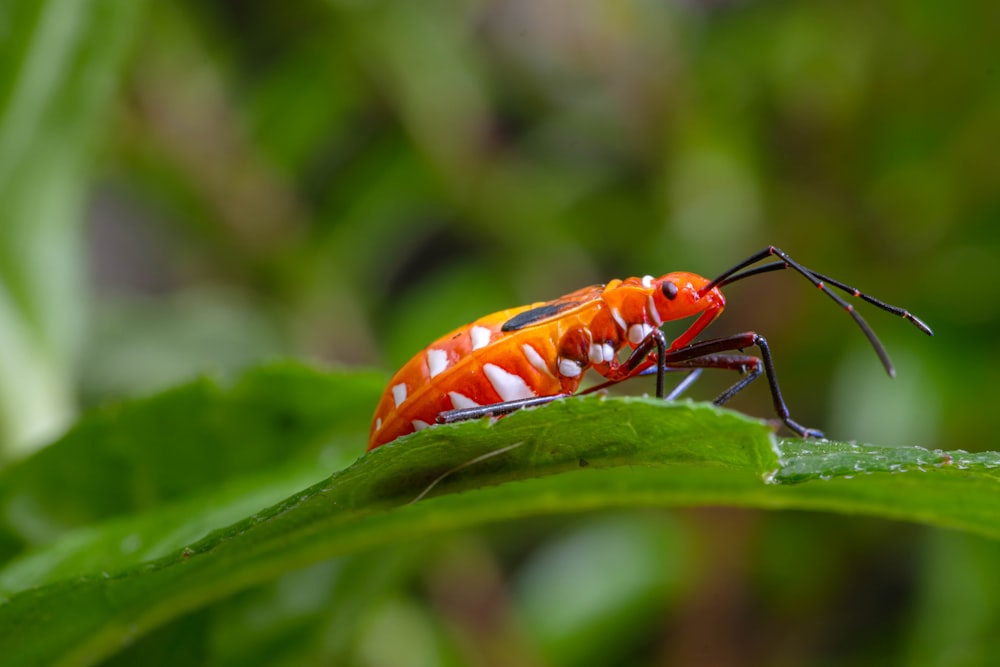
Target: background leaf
point(59, 67)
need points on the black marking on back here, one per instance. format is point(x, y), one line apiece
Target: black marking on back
point(528, 317)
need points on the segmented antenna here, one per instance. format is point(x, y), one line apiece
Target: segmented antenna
point(736, 273)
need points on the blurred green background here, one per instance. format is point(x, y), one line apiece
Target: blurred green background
point(197, 187)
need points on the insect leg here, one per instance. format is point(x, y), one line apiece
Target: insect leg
point(707, 354)
point(683, 385)
point(639, 363)
point(680, 388)
point(737, 362)
point(748, 365)
point(494, 409)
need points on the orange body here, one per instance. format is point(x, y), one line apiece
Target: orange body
point(539, 350)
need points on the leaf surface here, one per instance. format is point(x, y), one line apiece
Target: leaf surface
point(68, 606)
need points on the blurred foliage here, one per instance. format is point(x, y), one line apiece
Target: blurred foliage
point(194, 187)
point(56, 80)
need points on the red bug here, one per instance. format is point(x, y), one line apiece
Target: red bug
point(537, 353)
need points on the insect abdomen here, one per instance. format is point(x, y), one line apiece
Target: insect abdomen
point(476, 365)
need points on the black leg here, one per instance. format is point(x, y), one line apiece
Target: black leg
point(693, 372)
point(706, 354)
point(494, 409)
point(683, 385)
point(747, 365)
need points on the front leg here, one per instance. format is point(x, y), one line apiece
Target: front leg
point(639, 361)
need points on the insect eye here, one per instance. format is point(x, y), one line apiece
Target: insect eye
point(669, 290)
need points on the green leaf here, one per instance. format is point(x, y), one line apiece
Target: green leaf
point(142, 453)
point(206, 453)
point(77, 599)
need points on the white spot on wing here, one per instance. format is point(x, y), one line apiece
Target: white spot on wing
point(647, 281)
point(437, 361)
point(569, 368)
point(509, 386)
point(653, 313)
point(637, 332)
point(596, 353)
point(378, 423)
point(601, 353)
point(618, 318)
point(399, 393)
point(480, 337)
point(461, 401)
point(419, 424)
point(535, 359)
